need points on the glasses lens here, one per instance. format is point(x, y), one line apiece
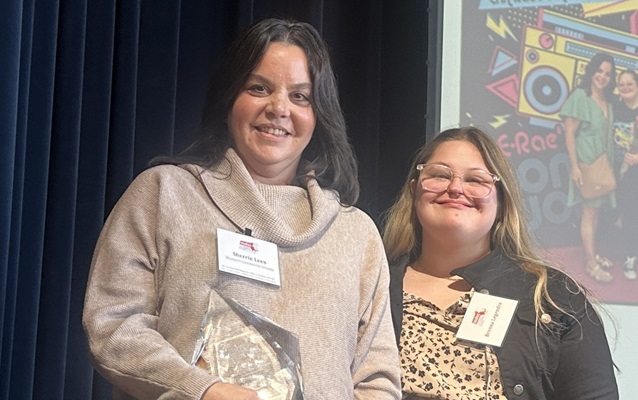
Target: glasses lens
point(477, 183)
point(437, 178)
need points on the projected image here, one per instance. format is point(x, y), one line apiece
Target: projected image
point(527, 73)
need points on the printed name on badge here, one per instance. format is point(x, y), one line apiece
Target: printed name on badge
point(487, 319)
point(248, 257)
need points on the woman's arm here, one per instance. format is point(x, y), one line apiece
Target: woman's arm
point(585, 369)
point(121, 304)
point(631, 158)
point(375, 370)
point(571, 126)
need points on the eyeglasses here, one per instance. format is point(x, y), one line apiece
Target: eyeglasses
point(436, 178)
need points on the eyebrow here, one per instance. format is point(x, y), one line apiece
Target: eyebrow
point(296, 86)
point(466, 169)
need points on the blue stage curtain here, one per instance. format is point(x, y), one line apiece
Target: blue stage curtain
point(90, 92)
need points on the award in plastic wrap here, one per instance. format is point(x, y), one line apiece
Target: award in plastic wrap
point(247, 349)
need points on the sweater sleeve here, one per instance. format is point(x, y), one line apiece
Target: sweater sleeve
point(376, 373)
point(585, 368)
point(121, 305)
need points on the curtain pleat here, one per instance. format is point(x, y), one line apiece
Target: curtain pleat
point(89, 94)
point(55, 293)
point(157, 80)
point(204, 33)
point(96, 117)
point(121, 143)
point(34, 203)
point(10, 49)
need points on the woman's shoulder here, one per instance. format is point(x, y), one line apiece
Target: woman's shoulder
point(161, 177)
point(359, 225)
point(560, 285)
point(168, 171)
point(578, 95)
point(578, 91)
point(576, 105)
point(568, 299)
point(566, 291)
point(355, 214)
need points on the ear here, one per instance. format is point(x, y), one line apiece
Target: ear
point(413, 186)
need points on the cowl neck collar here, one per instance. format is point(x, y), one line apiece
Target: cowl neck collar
point(283, 214)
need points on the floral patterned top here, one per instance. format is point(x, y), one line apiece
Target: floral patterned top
point(437, 365)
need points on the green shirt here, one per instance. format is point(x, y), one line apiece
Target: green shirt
point(593, 137)
point(594, 132)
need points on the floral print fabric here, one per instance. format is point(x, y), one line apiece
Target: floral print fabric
point(437, 365)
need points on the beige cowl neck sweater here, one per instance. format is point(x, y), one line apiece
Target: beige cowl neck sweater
point(155, 267)
point(282, 214)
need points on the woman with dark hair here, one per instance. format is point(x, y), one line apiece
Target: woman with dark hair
point(625, 126)
point(329, 154)
point(587, 115)
point(251, 233)
point(478, 313)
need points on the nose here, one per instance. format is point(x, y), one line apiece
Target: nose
point(278, 106)
point(456, 185)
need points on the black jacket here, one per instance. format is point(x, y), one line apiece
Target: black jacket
point(565, 361)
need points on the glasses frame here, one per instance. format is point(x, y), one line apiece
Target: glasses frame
point(495, 178)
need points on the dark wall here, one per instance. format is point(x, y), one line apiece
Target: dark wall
point(408, 102)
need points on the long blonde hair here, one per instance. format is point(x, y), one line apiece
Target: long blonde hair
point(402, 235)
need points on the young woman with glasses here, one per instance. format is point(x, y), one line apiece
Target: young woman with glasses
point(458, 244)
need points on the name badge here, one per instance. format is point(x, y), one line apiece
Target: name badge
point(248, 257)
point(487, 319)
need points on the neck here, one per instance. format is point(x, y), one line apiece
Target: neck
point(272, 176)
point(439, 260)
point(598, 94)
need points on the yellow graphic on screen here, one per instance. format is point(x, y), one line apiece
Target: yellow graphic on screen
point(552, 64)
point(606, 7)
point(500, 27)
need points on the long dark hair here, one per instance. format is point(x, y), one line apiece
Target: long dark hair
point(592, 67)
point(330, 157)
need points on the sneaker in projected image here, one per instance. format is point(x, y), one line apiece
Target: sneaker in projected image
point(630, 268)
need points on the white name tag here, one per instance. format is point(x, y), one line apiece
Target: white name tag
point(248, 257)
point(487, 319)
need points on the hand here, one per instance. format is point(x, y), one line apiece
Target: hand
point(228, 391)
point(577, 176)
point(631, 158)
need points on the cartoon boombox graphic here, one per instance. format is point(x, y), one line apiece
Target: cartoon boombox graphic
point(554, 57)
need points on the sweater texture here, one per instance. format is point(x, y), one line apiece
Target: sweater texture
point(155, 265)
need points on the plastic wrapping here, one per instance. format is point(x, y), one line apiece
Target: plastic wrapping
point(247, 349)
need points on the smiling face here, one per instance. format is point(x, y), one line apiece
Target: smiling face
point(451, 216)
point(602, 77)
point(628, 88)
point(272, 120)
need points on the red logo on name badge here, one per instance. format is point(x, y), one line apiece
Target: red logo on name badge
point(248, 246)
point(479, 316)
